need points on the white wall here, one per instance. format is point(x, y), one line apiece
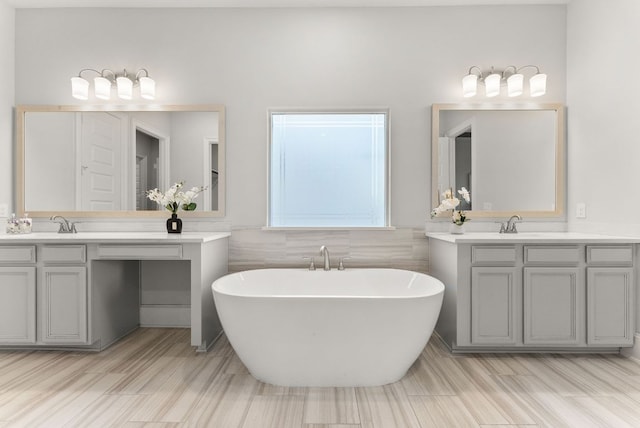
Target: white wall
point(603, 93)
point(253, 59)
point(7, 67)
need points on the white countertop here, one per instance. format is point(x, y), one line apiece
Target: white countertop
point(114, 237)
point(531, 237)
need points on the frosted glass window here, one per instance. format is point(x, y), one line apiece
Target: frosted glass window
point(328, 170)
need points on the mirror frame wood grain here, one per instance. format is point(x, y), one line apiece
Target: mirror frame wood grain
point(560, 150)
point(22, 110)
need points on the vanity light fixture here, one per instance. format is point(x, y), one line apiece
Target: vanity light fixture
point(493, 80)
point(492, 84)
point(106, 78)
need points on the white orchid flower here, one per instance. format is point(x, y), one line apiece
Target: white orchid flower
point(450, 204)
point(174, 198)
point(465, 194)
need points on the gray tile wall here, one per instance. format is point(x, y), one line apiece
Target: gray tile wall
point(254, 248)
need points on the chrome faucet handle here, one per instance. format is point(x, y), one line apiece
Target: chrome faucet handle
point(503, 227)
point(65, 225)
point(312, 264)
point(341, 265)
point(511, 224)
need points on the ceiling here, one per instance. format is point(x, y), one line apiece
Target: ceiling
point(267, 3)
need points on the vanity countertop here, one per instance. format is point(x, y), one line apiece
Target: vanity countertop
point(532, 238)
point(114, 237)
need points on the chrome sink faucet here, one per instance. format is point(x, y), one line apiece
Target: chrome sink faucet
point(510, 226)
point(324, 252)
point(65, 225)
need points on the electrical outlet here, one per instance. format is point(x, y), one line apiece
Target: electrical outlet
point(581, 210)
point(4, 210)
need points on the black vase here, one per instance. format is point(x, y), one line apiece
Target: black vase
point(174, 224)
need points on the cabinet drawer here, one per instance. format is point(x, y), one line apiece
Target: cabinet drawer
point(610, 255)
point(18, 254)
point(140, 252)
point(552, 255)
point(493, 255)
point(63, 254)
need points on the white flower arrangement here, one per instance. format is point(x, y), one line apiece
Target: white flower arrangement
point(451, 202)
point(175, 198)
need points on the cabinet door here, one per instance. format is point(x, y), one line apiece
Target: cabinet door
point(554, 306)
point(610, 306)
point(495, 313)
point(63, 305)
point(17, 305)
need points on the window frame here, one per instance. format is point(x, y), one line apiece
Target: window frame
point(387, 164)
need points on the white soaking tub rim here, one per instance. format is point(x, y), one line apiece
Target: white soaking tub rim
point(245, 284)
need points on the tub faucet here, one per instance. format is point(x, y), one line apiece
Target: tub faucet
point(65, 225)
point(510, 226)
point(324, 252)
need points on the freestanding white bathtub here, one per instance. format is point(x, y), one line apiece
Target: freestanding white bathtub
point(357, 327)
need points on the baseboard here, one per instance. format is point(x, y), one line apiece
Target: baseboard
point(634, 351)
point(165, 316)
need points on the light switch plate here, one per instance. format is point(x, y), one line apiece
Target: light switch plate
point(581, 210)
point(4, 210)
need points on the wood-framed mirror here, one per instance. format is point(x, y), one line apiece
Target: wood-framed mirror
point(511, 158)
point(99, 161)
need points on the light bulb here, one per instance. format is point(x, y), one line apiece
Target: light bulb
point(514, 85)
point(125, 87)
point(102, 87)
point(147, 88)
point(492, 85)
point(79, 88)
point(469, 85)
point(538, 85)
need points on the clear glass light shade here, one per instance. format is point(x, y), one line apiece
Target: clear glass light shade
point(79, 88)
point(125, 88)
point(469, 85)
point(102, 87)
point(147, 88)
point(492, 85)
point(515, 83)
point(538, 85)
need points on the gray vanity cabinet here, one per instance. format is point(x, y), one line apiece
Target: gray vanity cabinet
point(63, 295)
point(610, 306)
point(496, 296)
point(43, 294)
point(63, 305)
point(516, 295)
point(17, 305)
point(82, 291)
point(610, 295)
point(17, 294)
point(495, 305)
point(553, 306)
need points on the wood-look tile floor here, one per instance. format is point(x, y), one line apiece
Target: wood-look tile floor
point(154, 378)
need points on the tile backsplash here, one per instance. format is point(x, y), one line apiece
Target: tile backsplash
point(255, 248)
